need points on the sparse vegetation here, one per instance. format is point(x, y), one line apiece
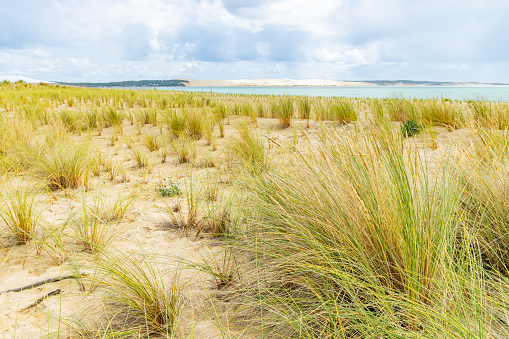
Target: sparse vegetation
point(345, 229)
point(17, 210)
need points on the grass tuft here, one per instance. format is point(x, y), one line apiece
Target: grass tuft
point(17, 210)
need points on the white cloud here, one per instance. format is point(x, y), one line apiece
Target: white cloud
point(356, 39)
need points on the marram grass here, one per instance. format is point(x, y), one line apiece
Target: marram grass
point(64, 165)
point(360, 238)
point(17, 210)
point(154, 299)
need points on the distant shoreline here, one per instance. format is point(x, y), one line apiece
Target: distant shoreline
point(276, 83)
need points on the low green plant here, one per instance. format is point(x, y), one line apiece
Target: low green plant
point(169, 188)
point(410, 128)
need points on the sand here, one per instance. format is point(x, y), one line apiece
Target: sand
point(272, 82)
point(146, 226)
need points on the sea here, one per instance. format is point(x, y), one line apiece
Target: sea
point(463, 93)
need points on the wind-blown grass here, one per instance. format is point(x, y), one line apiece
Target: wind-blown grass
point(359, 239)
point(343, 112)
point(92, 232)
point(305, 110)
point(285, 111)
point(17, 210)
point(140, 287)
point(249, 148)
point(63, 165)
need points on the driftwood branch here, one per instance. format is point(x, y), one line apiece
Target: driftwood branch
point(38, 301)
point(47, 281)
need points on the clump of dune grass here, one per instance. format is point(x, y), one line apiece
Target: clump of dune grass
point(112, 116)
point(18, 211)
point(147, 117)
point(62, 165)
point(221, 266)
point(359, 239)
point(260, 110)
point(115, 168)
point(441, 112)
point(220, 111)
point(110, 209)
point(153, 299)
point(190, 218)
point(305, 110)
point(70, 119)
point(249, 147)
point(91, 231)
point(140, 156)
point(152, 141)
point(342, 112)
point(285, 111)
point(165, 148)
point(91, 119)
point(377, 108)
point(185, 148)
point(401, 109)
point(176, 122)
point(484, 171)
point(196, 124)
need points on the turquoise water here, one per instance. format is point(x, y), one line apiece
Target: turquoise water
point(451, 92)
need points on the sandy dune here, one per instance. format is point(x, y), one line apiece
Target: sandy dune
point(272, 82)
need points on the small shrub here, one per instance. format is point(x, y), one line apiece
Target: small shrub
point(169, 188)
point(410, 128)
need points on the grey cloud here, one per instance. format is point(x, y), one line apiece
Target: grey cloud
point(239, 6)
point(222, 43)
point(135, 41)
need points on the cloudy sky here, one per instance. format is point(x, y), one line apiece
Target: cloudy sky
point(106, 40)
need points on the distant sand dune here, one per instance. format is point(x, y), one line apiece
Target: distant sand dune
point(14, 78)
point(272, 82)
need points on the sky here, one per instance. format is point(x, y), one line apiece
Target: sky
point(113, 40)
